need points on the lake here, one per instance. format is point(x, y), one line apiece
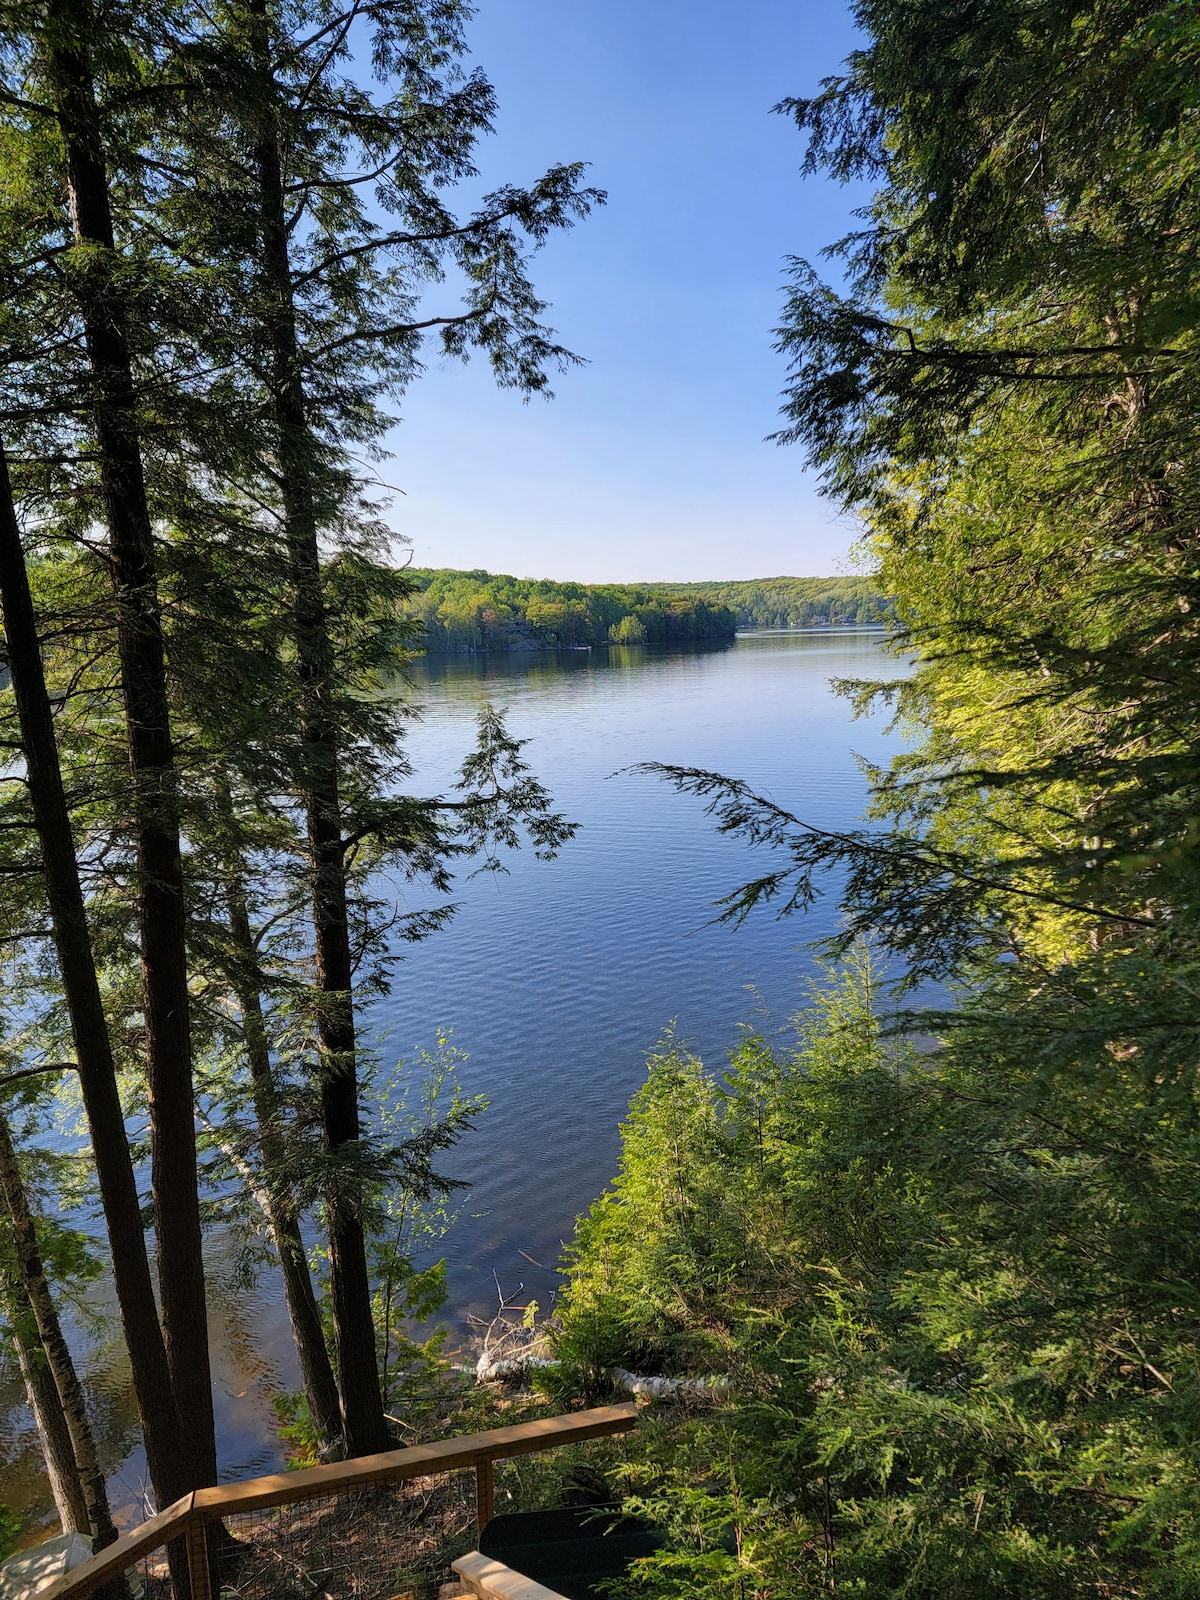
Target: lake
point(559, 977)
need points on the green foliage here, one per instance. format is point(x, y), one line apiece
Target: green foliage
point(10, 1527)
point(794, 602)
point(630, 630)
point(954, 1299)
point(1006, 390)
point(408, 1221)
point(972, 1370)
point(265, 235)
point(297, 1430)
point(485, 611)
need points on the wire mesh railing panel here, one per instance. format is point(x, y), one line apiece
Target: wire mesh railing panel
point(587, 1473)
point(147, 1578)
point(372, 1543)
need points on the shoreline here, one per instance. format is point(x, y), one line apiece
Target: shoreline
point(537, 647)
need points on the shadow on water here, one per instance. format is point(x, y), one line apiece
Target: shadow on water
point(557, 978)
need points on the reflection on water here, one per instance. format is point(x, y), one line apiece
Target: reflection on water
point(557, 978)
point(252, 1360)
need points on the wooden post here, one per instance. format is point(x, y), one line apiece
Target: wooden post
point(485, 1493)
point(199, 1569)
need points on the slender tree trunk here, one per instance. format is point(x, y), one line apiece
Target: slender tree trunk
point(304, 1315)
point(151, 757)
point(44, 1402)
point(89, 1028)
point(35, 1288)
point(363, 1425)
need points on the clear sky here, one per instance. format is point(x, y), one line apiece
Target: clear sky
point(650, 462)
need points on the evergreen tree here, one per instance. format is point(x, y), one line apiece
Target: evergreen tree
point(189, 369)
point(51, 820)
point(104, 313)
point(59, 1405)
point(321, 321)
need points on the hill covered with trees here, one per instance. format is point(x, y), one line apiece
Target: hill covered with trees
point(794, 602)
point(481, 610)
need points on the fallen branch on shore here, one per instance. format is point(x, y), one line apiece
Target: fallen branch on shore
point(508, 1355)
point(516, 1365)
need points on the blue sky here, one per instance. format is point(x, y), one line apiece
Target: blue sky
point(650, 463)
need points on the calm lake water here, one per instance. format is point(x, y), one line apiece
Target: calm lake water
point(559, 977)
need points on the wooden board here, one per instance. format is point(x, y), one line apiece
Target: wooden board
point(417, 1461)
point(492, 1580)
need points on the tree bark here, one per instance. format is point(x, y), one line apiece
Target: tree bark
point(308, 1335)
point(34, 1287)
point(364, 1427)
point(44, 1402)
point(89, 1028)
point(141, 652)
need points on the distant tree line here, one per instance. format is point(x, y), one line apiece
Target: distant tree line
point(794, 602)
point(488, 611)
point(481, 610)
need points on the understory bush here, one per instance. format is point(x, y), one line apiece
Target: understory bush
point(953, 1300)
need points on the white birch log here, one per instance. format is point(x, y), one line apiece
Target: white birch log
point(495, 1368)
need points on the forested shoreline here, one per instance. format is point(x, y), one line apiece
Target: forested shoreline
point(465, 611)
point(795, 602)
point(479, 610)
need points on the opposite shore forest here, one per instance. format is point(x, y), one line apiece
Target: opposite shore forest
point(911, 1294)
point(465, 611)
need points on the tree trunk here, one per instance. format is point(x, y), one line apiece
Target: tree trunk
point(304, 1315)
point(140, 648)
point(89, 1028)
point(363, 1425)
point(34, 1287)
point(44, 1402)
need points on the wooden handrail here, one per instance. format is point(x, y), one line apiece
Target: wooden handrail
point(416, 1461)
point(189, 1516)
point(93, 1573)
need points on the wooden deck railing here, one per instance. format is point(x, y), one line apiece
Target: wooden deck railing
point(189, 1519)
